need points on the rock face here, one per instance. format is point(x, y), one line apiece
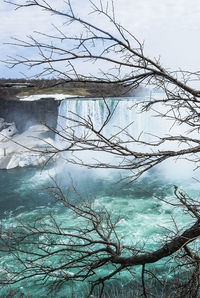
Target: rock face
point(27, 113)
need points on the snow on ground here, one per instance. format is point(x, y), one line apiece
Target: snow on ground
point(55, 96)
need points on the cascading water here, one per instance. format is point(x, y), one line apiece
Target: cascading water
point(127, 115)
point(143, 217)
point(129, 122)
point(123, 110)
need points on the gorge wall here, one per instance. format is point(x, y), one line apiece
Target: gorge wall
point(27, 113)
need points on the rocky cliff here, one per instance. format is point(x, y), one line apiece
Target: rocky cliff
point(28, 113)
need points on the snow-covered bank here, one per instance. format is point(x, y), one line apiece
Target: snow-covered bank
point(23, 150)
point(55, 96)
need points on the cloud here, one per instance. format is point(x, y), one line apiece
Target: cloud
point(169, 27)
point(20, 24)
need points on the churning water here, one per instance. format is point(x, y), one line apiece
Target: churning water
point(144, 218)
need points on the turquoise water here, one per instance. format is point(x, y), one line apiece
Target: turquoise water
point(143, 218)
point(21, 190)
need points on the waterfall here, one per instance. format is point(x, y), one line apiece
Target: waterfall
point(125, 115)
point(127, 119)
point(130, 122)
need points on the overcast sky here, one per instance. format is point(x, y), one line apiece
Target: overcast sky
point(170, 28)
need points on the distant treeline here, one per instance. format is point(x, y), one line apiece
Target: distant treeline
point(92, 89)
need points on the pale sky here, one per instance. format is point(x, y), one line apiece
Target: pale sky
point(169, 28)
